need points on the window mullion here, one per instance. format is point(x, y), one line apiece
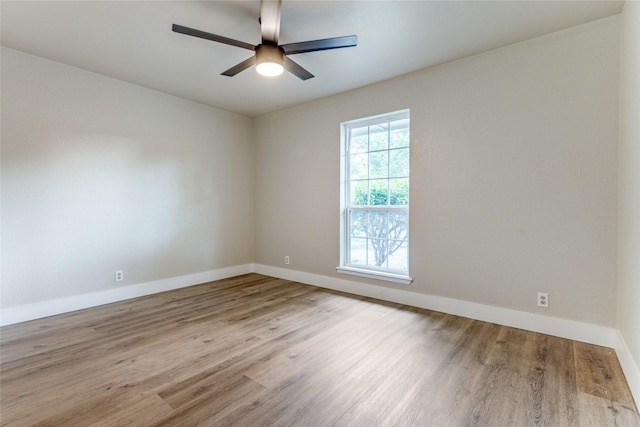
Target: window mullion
point(379, 208)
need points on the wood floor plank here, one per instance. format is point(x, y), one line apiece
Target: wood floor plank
point(333, 383)
point(255, 350)
point(210, 403)
point(456, 375)
point(599, 373)
point(115, 406)
point(398, 378)
point(605, 412)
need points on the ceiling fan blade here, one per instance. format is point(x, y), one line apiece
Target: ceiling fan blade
point(270, 12)
point(240, 67)
point(324, 44)
point(296, 69)
point(213, 37)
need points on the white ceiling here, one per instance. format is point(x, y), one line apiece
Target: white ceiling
point(133, 41)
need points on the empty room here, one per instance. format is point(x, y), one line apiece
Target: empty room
point(320, 213)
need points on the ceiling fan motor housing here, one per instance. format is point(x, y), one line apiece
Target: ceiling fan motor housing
point(269, 53)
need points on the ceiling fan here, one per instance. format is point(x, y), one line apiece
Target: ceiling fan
point(271, 58)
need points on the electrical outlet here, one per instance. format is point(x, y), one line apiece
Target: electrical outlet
point(119, 275)
point(286, 259)
point(543, 299)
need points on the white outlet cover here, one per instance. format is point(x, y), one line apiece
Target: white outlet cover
point(543, 299)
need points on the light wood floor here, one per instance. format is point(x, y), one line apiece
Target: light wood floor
point(259, 351)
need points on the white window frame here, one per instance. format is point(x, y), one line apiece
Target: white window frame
point(371, 272)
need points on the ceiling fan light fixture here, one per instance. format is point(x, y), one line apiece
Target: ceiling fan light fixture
point(269, 60)
point(270, 69)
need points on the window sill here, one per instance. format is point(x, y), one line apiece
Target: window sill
point(377, 275)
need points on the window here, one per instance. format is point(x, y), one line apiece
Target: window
point(375, 197)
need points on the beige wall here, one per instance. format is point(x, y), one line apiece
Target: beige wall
point(100, 175)
point(513, 168)
point(629, 186)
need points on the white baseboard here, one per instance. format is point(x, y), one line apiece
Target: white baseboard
point(630, 368)
point(564, 328)
point(38, 310)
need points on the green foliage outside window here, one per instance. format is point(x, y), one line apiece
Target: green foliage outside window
point(386, 230)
